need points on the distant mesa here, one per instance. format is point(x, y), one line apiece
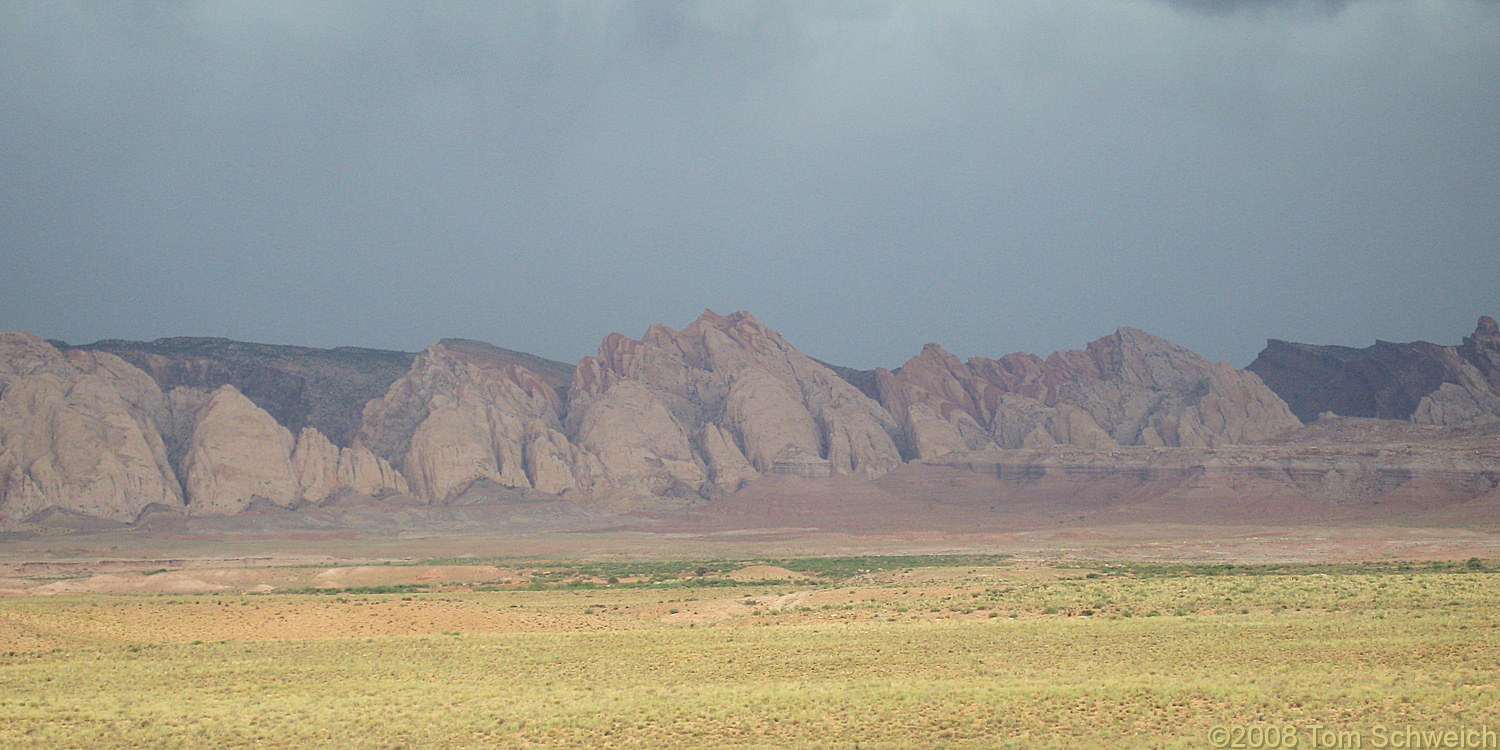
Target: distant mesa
point(1418, 381)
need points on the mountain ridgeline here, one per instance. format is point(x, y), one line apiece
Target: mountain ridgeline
point(117, 429)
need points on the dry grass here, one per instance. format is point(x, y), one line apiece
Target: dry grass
point(956, 656)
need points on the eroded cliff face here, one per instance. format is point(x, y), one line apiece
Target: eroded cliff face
point(90, 433)
point(1335, 462)
point(322, 469)
point(677, 416)
point(1130, 388)
point(681, 414)
point(465, 412)
point(298, 386)
point(738, 390)
point(78, 435)
point(237, 455)
point(1425, 383)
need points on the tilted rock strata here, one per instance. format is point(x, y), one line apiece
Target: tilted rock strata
point(88, 432)
point(298, 386)
point(1455, 404)
point(1130, 388)
point(770, 421)
point(550, 460)
point(1482, 349)
point(775, 403)
point(322, 468)
point(1470, 394)
point(69, 440)
point(466, 412)
point(727, 465)
point(687, 414)
point(238, 454)
point(637, 443)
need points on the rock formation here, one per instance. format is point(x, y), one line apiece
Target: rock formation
point(322, 468)
point(297, 386)
point(69, 439)
point(638, 444)
point(727, 465)
point(1130, 388)
point(1482, 349)
point(1423, 382)
point(1339, 461)
point(237, 455)
point(466, 412)
point(764, 399)
point(689, 413)
point(208, 426)
point(86, 431)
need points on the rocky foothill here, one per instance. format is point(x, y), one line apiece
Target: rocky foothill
point(118, 430)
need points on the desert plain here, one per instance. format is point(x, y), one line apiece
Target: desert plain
point(535, 625)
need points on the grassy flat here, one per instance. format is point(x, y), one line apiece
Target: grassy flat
point(921, 652)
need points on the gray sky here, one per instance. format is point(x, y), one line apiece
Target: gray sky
point(865, 177)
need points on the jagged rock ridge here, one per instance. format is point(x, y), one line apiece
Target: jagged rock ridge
point(466, 412)
point(676, 415)
point(730, 373)
point(90, 433)
point(1129, 388)
point(298, 386)
point(686, 414)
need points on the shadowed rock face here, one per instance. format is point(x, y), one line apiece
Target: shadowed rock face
point(1482, 349)
point(90, 433)
point(1130, 388)
point(1420, 381)
point(237, 455)
point(298, 386)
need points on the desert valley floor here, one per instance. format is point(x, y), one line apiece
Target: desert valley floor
point(769, 620)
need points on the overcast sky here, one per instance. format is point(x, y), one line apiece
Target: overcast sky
point(864, 177)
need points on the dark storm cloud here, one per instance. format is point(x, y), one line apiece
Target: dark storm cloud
point(1223, 7)
point(863, 176)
